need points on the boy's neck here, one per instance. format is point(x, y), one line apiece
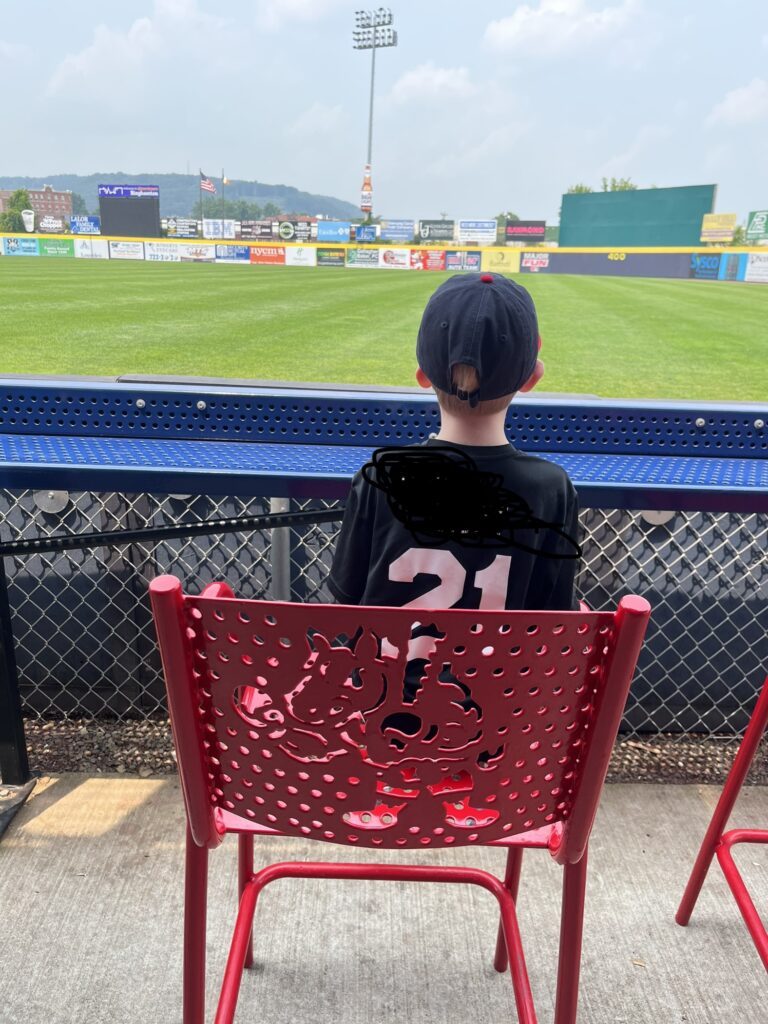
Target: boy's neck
point(480, 431)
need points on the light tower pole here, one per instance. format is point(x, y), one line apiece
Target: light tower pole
point(373, 31)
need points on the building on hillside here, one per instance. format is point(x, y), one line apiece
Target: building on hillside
point(45, 201)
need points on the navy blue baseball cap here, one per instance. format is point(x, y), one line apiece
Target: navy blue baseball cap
point(485, 321)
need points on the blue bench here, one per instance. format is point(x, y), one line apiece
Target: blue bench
point(305, 442)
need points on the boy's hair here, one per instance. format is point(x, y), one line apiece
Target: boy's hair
point(464, 378)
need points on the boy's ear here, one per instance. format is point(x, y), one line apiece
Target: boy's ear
point(422, 379)
point(535, 377)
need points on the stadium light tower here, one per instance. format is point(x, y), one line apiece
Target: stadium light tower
point(373, 31)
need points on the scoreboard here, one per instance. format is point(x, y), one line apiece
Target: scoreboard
point(132, 210)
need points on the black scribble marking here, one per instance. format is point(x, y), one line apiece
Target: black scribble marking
point(440, 495)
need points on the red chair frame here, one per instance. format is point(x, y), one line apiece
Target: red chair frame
point(720, 843)
point(283, 725)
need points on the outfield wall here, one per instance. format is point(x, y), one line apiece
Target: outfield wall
point(748, 264)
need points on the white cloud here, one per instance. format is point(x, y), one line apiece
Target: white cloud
point(430, 82)
point(557, 26)
point(271, 14)
point(114, 56)
point(14, 51)
point(648, 139)
point(742, 106)
point(319, 119)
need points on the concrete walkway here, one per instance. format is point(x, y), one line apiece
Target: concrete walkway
point(91, 903)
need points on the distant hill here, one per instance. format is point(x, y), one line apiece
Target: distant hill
point(178, 192)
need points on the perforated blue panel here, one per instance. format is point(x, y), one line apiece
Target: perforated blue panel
point(371, 419)
point(305, 470)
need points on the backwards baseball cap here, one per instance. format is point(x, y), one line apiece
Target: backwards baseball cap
point(485, 321)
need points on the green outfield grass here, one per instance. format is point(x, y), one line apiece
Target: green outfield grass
point(627, 338)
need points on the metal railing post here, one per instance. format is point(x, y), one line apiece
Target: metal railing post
point(14, 764)
point(281, 553)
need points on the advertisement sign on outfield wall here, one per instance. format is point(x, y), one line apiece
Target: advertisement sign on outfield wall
point(216, 227)
point(20, 247)
point(757, 268)
point(394, 259)
point(328, 257)
point(82, 225)
point(272, 255)
point(197, 252)
point(365, 232)
point(256, 230)
point(58, 247)
point(534, 262)
point(705, 266)
point(51, 225)
point(733, 266)
point(718, 227)
point(757, 226)
point(463, 260)
point(91, 249)
point(126, 250)
point(362, 257)
point(300, 256)
point(162, 252)
point(436, 230)
point(477, 232)
point(399, 230)
point(608, 264)
point(333, 230)
point(233, 254)
point(501, 261)
point(525, 230)
point(181, 227)
point(295, 230)
point(427, 259)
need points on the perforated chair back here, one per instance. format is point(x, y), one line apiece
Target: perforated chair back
point(350, 725)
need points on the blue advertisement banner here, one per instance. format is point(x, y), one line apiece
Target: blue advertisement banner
point(733, 266)
point(705, 266)
point(233, 254)
point(397, 230)
point(333, 230)
point(608, 264)
point(365, 232)
point(130, 191)
point(20, 247)
point(465, 260)
point(82, 225)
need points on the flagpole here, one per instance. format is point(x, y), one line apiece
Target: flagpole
point(202, 214)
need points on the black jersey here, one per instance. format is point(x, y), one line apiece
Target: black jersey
point(380, 560)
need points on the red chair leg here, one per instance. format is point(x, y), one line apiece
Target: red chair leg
point(244, 875)
point(736, 884)
point(195, 907)
point(511, 884)
point(731, 790)
point(571, 926)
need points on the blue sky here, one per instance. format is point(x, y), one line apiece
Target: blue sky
point(479, 108)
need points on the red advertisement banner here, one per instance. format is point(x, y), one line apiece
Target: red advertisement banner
point(270, 254)
point(427, 259)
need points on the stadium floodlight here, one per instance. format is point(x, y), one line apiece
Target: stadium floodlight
point(373, 31)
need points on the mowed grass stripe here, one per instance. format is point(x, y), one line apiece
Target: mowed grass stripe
point(613, 337)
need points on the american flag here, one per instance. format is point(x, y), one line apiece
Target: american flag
point(206, 184)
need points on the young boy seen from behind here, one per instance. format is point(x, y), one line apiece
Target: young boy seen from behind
point(481, 525)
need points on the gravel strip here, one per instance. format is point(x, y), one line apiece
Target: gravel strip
point(145, 748)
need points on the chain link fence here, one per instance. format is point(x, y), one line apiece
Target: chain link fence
point(85, 646)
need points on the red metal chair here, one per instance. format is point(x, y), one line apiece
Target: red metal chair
point(718, 841)
point(292, 719)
